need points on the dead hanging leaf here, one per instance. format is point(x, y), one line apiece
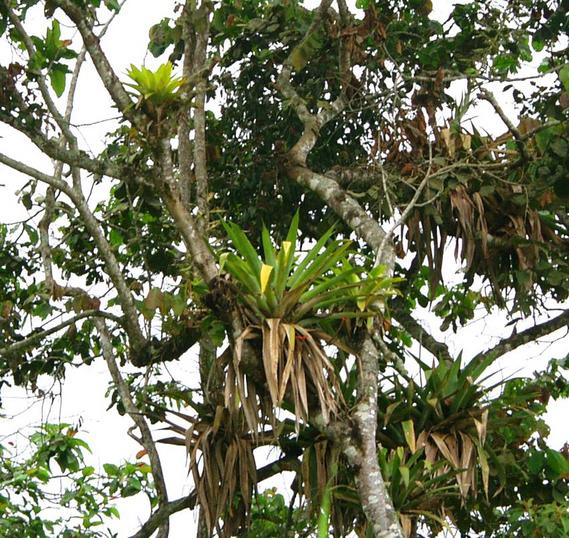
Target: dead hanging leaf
point(406, 525)
point(222, 465)
point(546, 198)
point(272, 350)
point(450, 453)
point(465, 478)
point(527, 125)
point(464, 210)
point(481, 224)
point(152, 302)
point(449, 141)
point(408, 169)
point(481, 426)
point(484, 468)
point(6, 309)
point(439, 79)
point(466, 140)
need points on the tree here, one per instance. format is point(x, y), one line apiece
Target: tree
point(277, 198)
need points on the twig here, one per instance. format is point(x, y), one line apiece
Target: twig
point(524, 337)
point(409, 207)
point(488, 96)
point(40, 335)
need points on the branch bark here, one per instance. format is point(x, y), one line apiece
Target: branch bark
point(524, 337)
point(106, 73)
point(376, 501)
point(32, 338)
point(418, 332)
point(201, 35)
point(137, 417)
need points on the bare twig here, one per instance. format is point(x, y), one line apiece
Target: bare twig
point(106, 73)
point(408, 209)
point(28, 43)
point(93, 227)
point(488, 96)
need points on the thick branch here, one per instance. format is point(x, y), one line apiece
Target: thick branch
point(348, 209)
point(418, 332)
point(524, 337)
point(312, 122)
point(376, 502)
point(201, 24)
point(52, 148)
point(130, 407)
point(185, 153)
point(202, 257)
point(163, 514)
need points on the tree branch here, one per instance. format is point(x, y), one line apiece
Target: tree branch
point(106, 73)
point(62, 122)
point(92, 225)
point(312, 122)
point(348, 209)
point(488, 96)
point(137, 417)
point(418, 332)
point(201, 23)
point(376, 502)
point(524, 337)
point(33, 337)
point(167, 185)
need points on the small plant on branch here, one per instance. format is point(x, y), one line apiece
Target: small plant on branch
point(295, 305)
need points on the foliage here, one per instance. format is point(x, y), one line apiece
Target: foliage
point(292, 304)
point(83, 496)
point(372, 141)
point(159, 87)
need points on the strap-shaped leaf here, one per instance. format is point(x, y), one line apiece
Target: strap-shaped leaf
point(310, 256)
point(244, 247)
point(285, 260)
point(241, 271)
point(265, 276)
point(268, 248)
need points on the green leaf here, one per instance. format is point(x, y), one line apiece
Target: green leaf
point(404, 470)
point(564, 77)
point(111, 469)
point(244, 247)
point(113, 5)
point(409, 433)
point(116, 238)
point(57, 80)
point(557, 463)
point(87, 471)
point(536, 461)
point(268, 248)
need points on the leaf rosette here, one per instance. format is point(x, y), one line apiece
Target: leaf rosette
point(296, 305)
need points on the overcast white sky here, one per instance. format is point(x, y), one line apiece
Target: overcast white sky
point(83, 393)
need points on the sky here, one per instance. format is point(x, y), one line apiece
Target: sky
point(82, 395)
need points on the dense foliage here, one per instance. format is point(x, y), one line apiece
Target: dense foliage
point(277, 201)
